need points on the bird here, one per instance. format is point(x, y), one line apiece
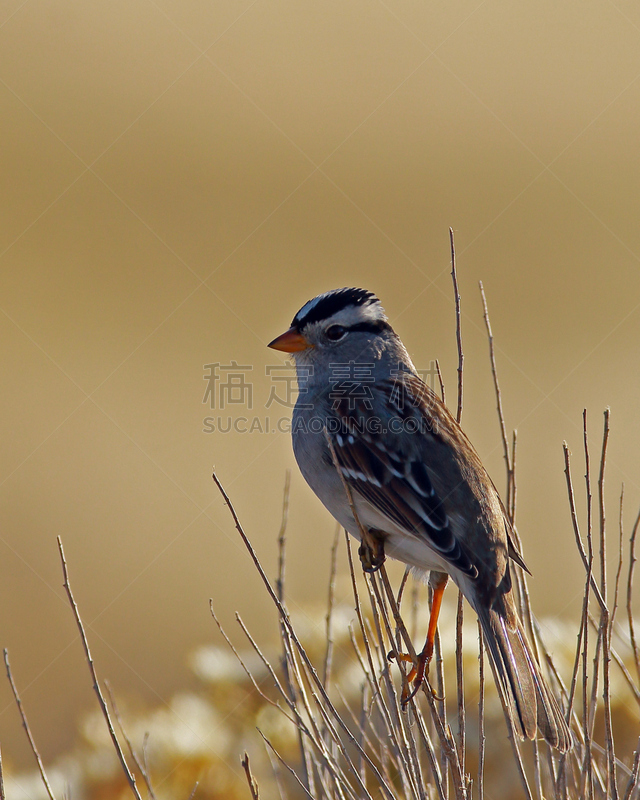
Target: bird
point(387, 459)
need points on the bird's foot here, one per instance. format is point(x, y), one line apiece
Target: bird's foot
point(418, 675)
point(372, 557)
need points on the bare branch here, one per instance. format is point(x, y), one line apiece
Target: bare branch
point(588, 709)
point(616, 587)
point(494, 372)
point(635, 774)
point(606, 620)
point(603, 549)
point(2, 796)
point(441, 381)
point(194, 790)
point(247, 671)
point(313, 675)
point(282, 535)
point(632, 562)
point(576, 529)
point(635, 691)
point(25, 725)
point(140, 764)
point(444, 734)
point(328, 656)
point(454, 276)
point(96, 686)
point(253, 785)
point(460, 681)
point(371, 671)
point(367, 539)
point(286, 766)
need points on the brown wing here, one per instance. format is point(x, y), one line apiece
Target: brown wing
point(395, 480)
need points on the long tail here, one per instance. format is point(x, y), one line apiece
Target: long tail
point(525, 692)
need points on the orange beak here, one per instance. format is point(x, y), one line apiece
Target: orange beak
point(290, 342)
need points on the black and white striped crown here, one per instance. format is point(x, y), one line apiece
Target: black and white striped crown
point(327, 305)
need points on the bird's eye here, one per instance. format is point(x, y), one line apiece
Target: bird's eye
point(336, 332)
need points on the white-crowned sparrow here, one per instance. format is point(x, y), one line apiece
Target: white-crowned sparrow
point(417, 484)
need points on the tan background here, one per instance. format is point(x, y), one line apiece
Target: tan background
point(178, 178)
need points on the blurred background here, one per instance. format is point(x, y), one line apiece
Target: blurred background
point(178, 179)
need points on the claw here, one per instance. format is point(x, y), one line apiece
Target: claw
point(370, 559)
point(406, 698)
point(417, 676)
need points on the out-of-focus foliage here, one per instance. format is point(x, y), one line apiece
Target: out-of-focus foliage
point(201, 736)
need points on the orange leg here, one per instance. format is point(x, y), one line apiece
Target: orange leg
point(438, 581)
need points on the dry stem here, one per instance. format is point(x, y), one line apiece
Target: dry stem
point(142, 766)
point(456, 293)
point(253, 785)
point(25, 725)
point(96, 686)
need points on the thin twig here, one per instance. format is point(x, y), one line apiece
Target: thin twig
point(518, 759)
point(140, 764)
point(441, 381)
point(494, 372)
point(635, 691)
point(277, 774)
point(512, 489)
point(282, 536)
point(603, 549)
point(403, 584)
point(145, 752)
point(194, 790)
point(444, 734)
point(446, 744)
point(407, 751)
point(460, 682)
point(280, 585)
point(96, 686)
point(632, 562)
point(616, 587)
point(328, 656)
point(510, 504)
point(2, 796)
point(369, 669)
point(454, 276)
point(248, 672)
point(606, 620)
point(536, 644)
point(582, 640)
point(635, 774)
point(25, 725)
point(586, 560)
point(588, 773)
point(581, 645)
point(366, 537)
point(404, 745)
point(440, 693)
point(253, 785)
point(312, 673)
point(286, 766)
